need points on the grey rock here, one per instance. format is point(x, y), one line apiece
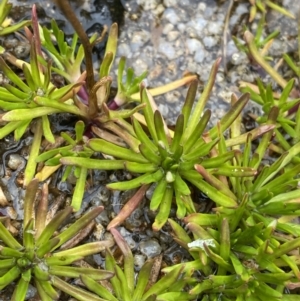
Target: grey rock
point(150, 248)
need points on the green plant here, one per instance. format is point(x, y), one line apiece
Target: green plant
point(287, 123)
point(126, 288)
point(169, 161)
point(263, 5)
point(248, 251)
point(261, 43)
point(38, 259)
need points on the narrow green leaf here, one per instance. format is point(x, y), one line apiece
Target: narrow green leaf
point(9, 277)
point(197, 112)
point(164, 283)
point(198, 131)
point(46, 290)
point(108, 148)
point(25, 114)
point(128, 259)
point(76, 272)
point(213, 193)
point(140, 167)
point(137, 182)
point(53, 225)
point(97, 288)
point(158, 194)
point(47, 129)
point(74, 291)
point(142, 280)
point(78, 225)
point(79, 189)
point(20, 291)
point(13, 77)
point(93, 163)
point(21, 129)
point(230, 116)
point(159, 128)
point(51, 106)
point(164, 209)
point(148, 113)
point(142, 136)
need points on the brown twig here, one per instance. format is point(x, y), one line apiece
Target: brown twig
point(67, 10)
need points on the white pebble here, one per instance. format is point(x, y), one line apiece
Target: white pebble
point(138, 39)
point(15, 161)
point(167, 49)
point(150, 248)
point(169, 3)
point(124, 50)
point(215, 28)
point(173, 35)
point(210, 41)
point(148, 4)
point(171, 16)
point(193, 45)
point(140, 65)
point(202, 6)
point(167, 28)
point(139, 261)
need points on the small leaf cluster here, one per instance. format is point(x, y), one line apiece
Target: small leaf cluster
point(262, 6)
point(126, 288)
point(38, 258)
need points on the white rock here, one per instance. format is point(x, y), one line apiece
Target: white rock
point(148, 4)
point(3, 199)
point(173, 35)
point(210, 42)
point(171, 16)
point(215, 28)
point(139, 261)
point(159, 10)
point(139, 38)
point(202, 6)
point(124, 50)
point(15, 161)
point(198, 24)
point(238, 58)
point(181, 27)
point(193, 45)
point(167, 28)
point(200, 55)
point(139, 65)
point(167, 49)
point(150, 248)
point(169, 3)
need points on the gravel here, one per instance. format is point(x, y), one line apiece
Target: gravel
point(189, 36)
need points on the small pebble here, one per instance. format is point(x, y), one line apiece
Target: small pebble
point(148, 4)
point(15, 161)
point(170, 3)
point(150, 248)
point(167, 49)
point(167, 28)
point(139, 261)
point(171, 16)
